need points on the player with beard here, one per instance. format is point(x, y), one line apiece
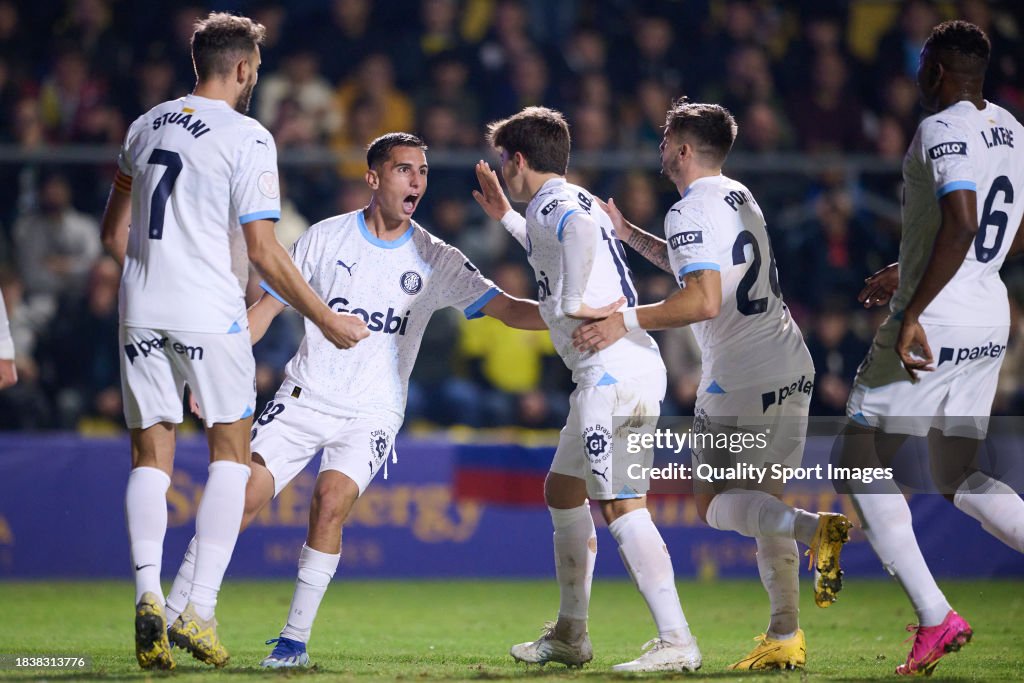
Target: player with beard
point(378, 263)
point(757, 374)
point(196, 175)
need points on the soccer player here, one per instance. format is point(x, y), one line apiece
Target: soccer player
point(8, 372)
point(194, 175)
point(756, 370)
point(963, 174)
point(380, 265)
point(569, 242)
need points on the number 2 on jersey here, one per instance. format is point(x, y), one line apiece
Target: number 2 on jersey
point(744, 304)
point(162, 192)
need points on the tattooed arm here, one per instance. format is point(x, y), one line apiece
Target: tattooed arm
point(652, 248)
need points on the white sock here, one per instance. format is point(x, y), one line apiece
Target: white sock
point(316, 569)
point(758, 514)
point(778, 563)
point(145, 507)
point(997, 506)
point(888, 525)
point(217, 524)
point(575, 542)
point(177, 599)
point(646, 558)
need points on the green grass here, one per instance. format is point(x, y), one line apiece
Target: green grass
point(444, 630)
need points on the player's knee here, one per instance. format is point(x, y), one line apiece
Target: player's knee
point(332, 501)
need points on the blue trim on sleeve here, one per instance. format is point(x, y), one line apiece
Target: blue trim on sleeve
point(248, 413)
point(703, 265)
point(273, 215)
point(473, 310)
point(607, 380)
point(561, 223)
point(235, 328)
point(270, 290)
point(378, 242)
point(954, 186)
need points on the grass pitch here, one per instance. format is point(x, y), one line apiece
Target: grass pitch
point(461, 630)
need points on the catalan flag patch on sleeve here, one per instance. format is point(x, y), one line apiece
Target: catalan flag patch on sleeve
point(122, 182)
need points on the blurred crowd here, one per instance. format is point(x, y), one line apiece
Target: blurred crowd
point(805, 77)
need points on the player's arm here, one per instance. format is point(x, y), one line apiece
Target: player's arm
point(275, 265)
point(522, 314)
point(1018, 241)
point(261, 314)
point(495, 204)
point(8, 372)
point(651, 247)
point(959, 210)
point(117, 217)
point(579, 237)
point(700, 299)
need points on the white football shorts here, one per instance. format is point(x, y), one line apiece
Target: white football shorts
point(585, 443)
point(289, 433)
point(955, 398)
point(777, 410)
point(157, 364)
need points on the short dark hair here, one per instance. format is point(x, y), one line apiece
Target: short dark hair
point(711, 126)
point(220, 39)
point(540, 134)
point(960, 45)
point(379, 150)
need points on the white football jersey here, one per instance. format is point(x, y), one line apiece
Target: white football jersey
point(198, 170)
point(717, 225)
point(963, 148)
point(636, 354)
point(395, 287)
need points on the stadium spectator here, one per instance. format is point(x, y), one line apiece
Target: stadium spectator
point(343, 33)
point(299, 82)
point(79, 354)
point(55, 244)
point(510, 366)
point(829, 117)
point(836, 351)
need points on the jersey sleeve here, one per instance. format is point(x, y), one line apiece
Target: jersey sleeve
point(460, 285)
point(692, 242)
point(947, 156)
point(255, 194)
point(125, 166)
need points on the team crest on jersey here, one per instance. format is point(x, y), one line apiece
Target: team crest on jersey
point(683, 239)
point(379, 442)
point(411, 282)
point(267, 185)
point(597, 441)
point(945, 148)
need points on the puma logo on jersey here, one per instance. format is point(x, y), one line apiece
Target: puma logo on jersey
point(946, 148)
point(346, 267)
point(956, 356)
